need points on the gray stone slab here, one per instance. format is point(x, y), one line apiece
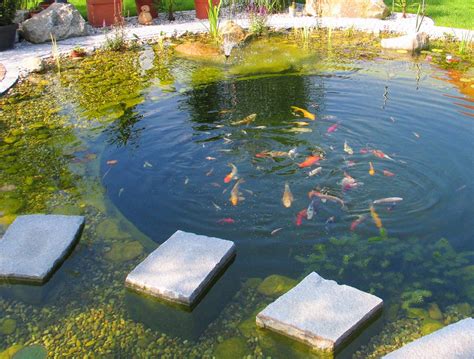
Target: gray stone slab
point(182, 267)
point(319, 312)
point(456, 341)
point(34, 245)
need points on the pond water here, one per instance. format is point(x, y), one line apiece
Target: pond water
point(142, 147)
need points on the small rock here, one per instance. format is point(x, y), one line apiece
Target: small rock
point(60, 20)
point(198, 50)
point(411, 42)
point(276, 285)
point(230, 31)
point(33, 64)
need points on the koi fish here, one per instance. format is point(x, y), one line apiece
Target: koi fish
point(299, 130)
point(245, 120)
point(375, 217)
point(186, 180)
point(331, 219)
point(232, 174)
point(112, 162)
point(310, 211)
point(358, 221)
point(363, 151)
point(300, 123)
point(314, 172)
point(260, 127)
point(271, 154)
point(287, 198)
point(348, 182)
point(235, 195)
point(380, 154)
point(348, 149)
point(226, 221)
point(332, 128)
point(217, 207)
point(209, 158)
point(387, 200)
point(326, 197)
point(417, 135)
point(388, 173)
point(371, 169)
point(303, 112)
point(210, 172)
point(309, 161)
point(350, 163)
point(299, 217)
point(292, 153)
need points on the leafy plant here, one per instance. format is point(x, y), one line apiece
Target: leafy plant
point(7, 11)
point(117, 41)
point(213, 15)
point(169, 5)
point(258, 16)
point(55, 53)
point(465, 45)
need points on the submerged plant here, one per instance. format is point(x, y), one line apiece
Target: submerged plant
point(213, 15)
point(55, 53)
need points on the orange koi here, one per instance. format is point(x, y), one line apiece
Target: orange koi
point(232, 174)
point(226, 221)
point(287, 198)
point(309, 161)
point(299, 217)
point(371, 169)
point(303, 112)
point(375, 217)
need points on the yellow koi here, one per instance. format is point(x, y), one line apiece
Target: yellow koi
point(371, 169)
point(235, 195)
point(305, 113)
point(301, 123)
point(245, 120)
point(300, 130)
point(348, 149)
point(375, 217)
point(287, 198)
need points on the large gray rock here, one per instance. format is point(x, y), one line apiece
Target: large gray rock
point(411, 42)
point(456, 341)
point(61, 20)
point(182, 267)
point(319, 312)
point(347, 8)
point(34, 245)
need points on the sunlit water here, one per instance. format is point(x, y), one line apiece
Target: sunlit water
point(173, 151)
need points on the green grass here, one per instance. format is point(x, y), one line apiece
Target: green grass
point(451, 13)
point(129, 6)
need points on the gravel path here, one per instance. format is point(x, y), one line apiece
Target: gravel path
point(186, 22)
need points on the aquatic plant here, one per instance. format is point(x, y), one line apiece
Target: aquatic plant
point(55, 53)
point(213, 15)
point(303, 35)
point(258, 17)
point(168, 5)
point(420, 16)
point(466, 43)
point(116, 40)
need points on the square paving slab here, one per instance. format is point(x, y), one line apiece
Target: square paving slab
point(35, 245)
point(319, 312)
point(182, 267)
point(456, 341)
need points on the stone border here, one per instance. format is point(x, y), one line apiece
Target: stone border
point(12, 59)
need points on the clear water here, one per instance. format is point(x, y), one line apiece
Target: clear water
point(173, 147)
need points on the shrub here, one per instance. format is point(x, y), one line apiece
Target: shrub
point(7, 11)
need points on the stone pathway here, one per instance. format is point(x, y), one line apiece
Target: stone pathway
point(320, 312)
point(456, 341)
point(35, 245)
point(182, 268)
point(395, 23)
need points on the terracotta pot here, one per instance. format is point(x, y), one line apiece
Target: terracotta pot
point(77, 54)
point(153, 10)
point(7, 36)
point(103, 12)
point(202, 7)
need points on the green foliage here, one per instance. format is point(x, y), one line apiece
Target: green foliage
point(213, 15)
point(7, 11)
point(116, 40)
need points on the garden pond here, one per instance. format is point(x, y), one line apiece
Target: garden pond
point(144, 143)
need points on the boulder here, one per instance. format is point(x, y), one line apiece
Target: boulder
point(60, 20)
point(198, 50)
point(347, 8)
point(411, 42)
point(232, 32)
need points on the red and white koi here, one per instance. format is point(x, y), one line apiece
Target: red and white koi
point(226, 221)
point(380, 154)
point(326, 197)
point(358, 221)
point(232, 174)
point(333, 128)
point(387, 173)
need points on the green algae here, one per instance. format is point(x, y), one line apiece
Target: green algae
point(276, 285)
point(232, 348)
point(11, 351)
point(430, 325)
point(31, 352)
point(7, 326)
point(122, 252)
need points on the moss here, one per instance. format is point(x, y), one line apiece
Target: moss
point(429, 326)
point(231, 348)
point(417, 313)
point(434, 312)
point(276, 285)
point(252, 283)
point(7, 326)
point(31, 352)
point(464, 309)
point(122, 252)
point(110, 230)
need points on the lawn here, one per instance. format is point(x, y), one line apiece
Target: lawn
point(451, 13)
point(129, 6)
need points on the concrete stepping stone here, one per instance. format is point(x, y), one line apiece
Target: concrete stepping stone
point(182, 267)
point(455, 341)
point(319, 312)
point(35, 245)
